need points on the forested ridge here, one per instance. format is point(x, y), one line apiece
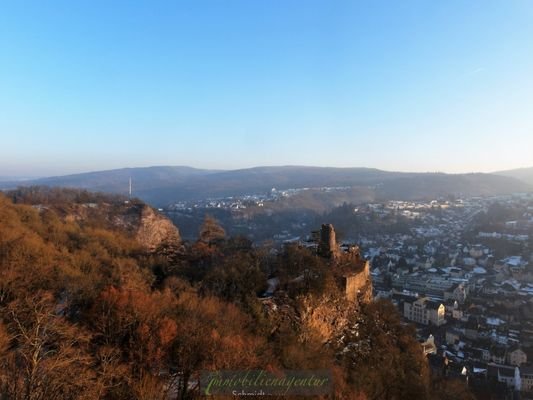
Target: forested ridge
point(88, 312)
point(165, 185)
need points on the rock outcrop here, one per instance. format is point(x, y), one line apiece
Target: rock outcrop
point(325, 318)
point(155, 231)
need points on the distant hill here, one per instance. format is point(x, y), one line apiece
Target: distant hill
point(163, 185)
point(425, 186)
point(117, 180)
point(524, 174)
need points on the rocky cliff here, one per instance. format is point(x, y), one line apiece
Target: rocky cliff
point(323, 319)
point(151, 229)
point(326, 318)
point(155, 231)
point(103, 211)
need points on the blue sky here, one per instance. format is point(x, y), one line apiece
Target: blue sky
point(399, 85)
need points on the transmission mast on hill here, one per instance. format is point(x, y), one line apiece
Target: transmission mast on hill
point(130, 189)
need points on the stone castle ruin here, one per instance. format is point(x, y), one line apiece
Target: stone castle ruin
point(352, 268)
point(327, 316)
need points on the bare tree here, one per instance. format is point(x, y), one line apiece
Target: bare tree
point(47, 358)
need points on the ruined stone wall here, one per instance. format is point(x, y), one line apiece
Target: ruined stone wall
point(358, 286)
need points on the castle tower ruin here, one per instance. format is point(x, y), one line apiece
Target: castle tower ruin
point(327, 247)
point(352, 269)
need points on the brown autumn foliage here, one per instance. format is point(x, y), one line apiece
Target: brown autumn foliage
point(211, 232)
point(86, 313)
point(403, 372)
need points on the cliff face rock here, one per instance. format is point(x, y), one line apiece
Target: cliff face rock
point(151, 229)
point(321, 319)
point(156, 231)
point(130, 217)
point(326, 318)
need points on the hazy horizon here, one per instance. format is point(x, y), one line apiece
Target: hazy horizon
point(5, 178)
point(417, 86)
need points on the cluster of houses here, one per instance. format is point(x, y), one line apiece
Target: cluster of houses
point(469, 293)
point(241, 202)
